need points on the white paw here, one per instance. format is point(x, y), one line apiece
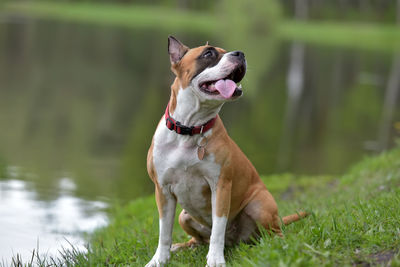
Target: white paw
point(215, 260)
point(159, 259)
point(156, 262)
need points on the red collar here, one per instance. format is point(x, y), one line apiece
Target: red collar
point(185, 130)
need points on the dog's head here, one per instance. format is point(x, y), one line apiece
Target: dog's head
point(210, 72)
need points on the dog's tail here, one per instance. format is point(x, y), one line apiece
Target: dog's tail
point(294, 217)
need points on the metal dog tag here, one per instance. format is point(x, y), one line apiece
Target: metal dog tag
point(201, 148)
point(200, 152)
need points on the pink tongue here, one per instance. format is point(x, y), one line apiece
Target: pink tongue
point(225, 87)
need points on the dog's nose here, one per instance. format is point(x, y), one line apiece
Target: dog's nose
point(238, 54)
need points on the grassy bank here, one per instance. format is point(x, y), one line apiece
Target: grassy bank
point(115, 15)
point(355, 221)
point(365, 36)
point(355, 35)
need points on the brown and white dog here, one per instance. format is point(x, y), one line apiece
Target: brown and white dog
point(192, 160)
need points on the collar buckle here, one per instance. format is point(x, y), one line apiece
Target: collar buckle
point(184, 130)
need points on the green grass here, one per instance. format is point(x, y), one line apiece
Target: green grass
point(355, 220)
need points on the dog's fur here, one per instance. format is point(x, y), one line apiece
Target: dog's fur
point(223, 198)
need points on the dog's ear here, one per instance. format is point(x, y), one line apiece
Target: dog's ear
point(176, 49)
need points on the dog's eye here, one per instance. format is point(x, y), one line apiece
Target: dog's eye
point(207, 54)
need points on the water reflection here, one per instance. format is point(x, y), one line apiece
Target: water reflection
point(89, 106)
point(28, 223)
point(389, 107)
point(295, 87)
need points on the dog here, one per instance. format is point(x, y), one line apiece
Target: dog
point(193, 161)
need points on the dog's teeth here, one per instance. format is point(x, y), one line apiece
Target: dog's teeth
point(240, 86)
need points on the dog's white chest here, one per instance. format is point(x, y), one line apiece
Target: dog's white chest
point(181, 172)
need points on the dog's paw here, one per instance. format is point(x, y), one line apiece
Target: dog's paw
point(178, 246)
point(159, 259)
point(215, 260)
point(192, 243)
point(156, 262)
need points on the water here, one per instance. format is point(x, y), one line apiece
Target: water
point(79, 105)
point(29, 224)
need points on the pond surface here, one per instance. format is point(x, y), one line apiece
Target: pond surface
point(28, 223)
point(79, 105)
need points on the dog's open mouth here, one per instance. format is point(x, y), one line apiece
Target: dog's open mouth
point(226, 87)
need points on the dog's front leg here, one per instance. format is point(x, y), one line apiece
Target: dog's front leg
point(221, 200)
point(166, 204)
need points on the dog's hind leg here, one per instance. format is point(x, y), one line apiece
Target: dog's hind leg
point(200, 234)
point(264, 211)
